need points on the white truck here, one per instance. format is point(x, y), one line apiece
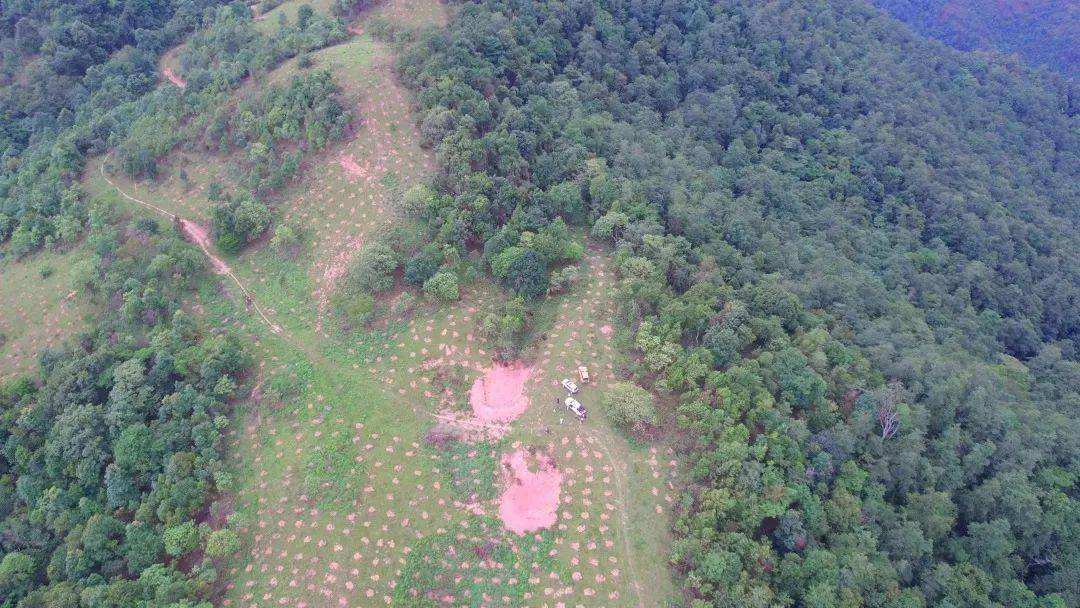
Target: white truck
point(576, 408)
point(569, 385)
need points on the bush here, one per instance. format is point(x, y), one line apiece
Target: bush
point(281, 388)
point(286, 241)
point(16, 575)
point(630, 407)
point(563, 280)
point(229, 243)
point(443, 286)
point(610, 225)
point(417, 201)
point(373, 269)
point(420, 268)
point(222, 542)
point(508, 328)
point(357, 309)
point(403, 305)
point(238, 220)
point(250, 219)
point(527, 274)
point(181, 538)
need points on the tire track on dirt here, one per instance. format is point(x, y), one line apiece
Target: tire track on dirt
point(620, 487)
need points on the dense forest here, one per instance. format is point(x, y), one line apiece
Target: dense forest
point(1043, 32)
point(847, 264)
point(110, 460)
point(849, 255)
point(72, 76)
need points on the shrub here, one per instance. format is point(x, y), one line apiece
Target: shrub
point(610, 225)
point(286, 240)
point(222, 542)
point(181, 539)
point(281, 388)
point(357, 309)
point(373, 269)
point(508, 328)
point(417, 201)
point(402, 305)
point(630, 407)
point(443, 286)
point(527, 275)
point(16, 575)
point(229, 243)
point(420, 268)
point(238, 220)
point(563, 280)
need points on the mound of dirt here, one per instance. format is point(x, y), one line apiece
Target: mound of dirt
point(352, 169)
point(499, 395)
point(531, 499)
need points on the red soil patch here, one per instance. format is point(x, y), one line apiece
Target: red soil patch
point(173, 78)
point(531, 500)
point(606, 330)
point(499, 395)
point(201, 237)
point(353, 170)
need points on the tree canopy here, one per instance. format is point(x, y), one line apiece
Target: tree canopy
point(111, 455)
point(849, 252)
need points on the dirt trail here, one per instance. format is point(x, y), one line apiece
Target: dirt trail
point(199, 236)
point(171, 76)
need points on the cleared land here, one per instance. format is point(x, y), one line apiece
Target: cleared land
point(346, 192)
point(268, 20)
point(350, 502)
point(346, 495)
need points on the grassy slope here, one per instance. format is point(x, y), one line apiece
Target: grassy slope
point(268, 21)
point(36, 312)
point(342, 498)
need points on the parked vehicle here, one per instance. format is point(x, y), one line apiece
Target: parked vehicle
point(569, 385)
point(576, 408)
point(583, 373)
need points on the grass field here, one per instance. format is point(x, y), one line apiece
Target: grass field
point(341, 499)
point(39, 308)
point(340, 487)
point(267, 20)
point(411, 13)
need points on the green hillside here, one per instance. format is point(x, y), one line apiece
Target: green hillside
point(292, 295)
point(849, 252)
